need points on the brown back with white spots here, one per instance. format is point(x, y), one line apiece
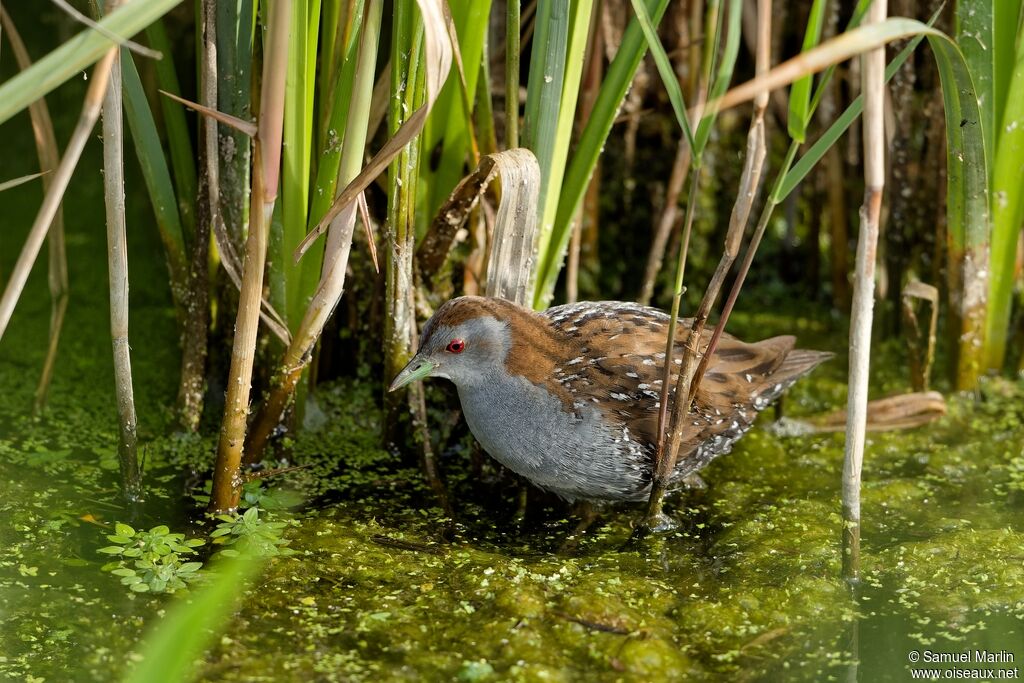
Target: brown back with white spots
point(624, 366)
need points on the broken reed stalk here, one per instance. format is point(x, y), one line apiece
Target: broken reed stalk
point(55, 192)
point(920, 347)
point(750, 180)
point(192, 383)
point(267, 165)
point(873, 85)
point(693, 364)
point(298, 354)
point(512, 262)
point(117, 270)
point(49, 158)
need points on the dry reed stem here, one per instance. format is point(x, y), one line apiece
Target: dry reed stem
point(55, 192)
point(873, 80)
point(226, 478)
point(921, 348)
point(266, 170)
point(49, 159)
point(241, 125)
point(761, 101)
point(839, 49)
point(117, 267)
point(905, 411)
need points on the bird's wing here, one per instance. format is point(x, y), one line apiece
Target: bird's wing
point(620, 366)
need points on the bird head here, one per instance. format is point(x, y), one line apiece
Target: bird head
point(465, 341)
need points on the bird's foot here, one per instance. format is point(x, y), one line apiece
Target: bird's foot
point(588, 516)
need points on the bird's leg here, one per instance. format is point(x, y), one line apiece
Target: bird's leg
point(588, 514)
point(519, 519)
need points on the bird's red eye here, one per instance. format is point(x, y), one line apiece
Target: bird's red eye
point(455, 346)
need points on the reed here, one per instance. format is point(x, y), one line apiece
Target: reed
point(117, 266)
point(873, 88)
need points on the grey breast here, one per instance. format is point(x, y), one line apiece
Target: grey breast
point(575, 455)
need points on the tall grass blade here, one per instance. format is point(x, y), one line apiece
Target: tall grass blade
point(548, 59)
point(298, 354)
point(299, 279)
point(967, 210)
point(76, 54)
point(665, 70)
point(1008, 22)
point(452, 116)
point(551, 184)
point(722, 77)
point(821, 146)
point(975, 34)
point(800, 93)
point(235, 26)
point(157, 177)
point(179, 142)
point(1007, 215)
